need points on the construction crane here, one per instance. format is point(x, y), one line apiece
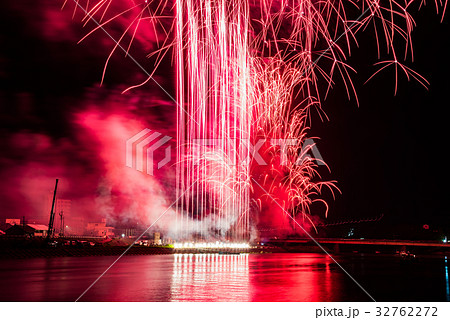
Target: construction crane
point(52, 214)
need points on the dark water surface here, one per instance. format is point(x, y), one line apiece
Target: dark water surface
point(203, 277)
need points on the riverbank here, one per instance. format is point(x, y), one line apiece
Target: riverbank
point(27, 253)
point(37, 248)
point(74, 251)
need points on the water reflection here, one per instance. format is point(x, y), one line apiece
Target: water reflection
point(447, 286)
point(210, 277)
point(215, 277)
point(306, 277)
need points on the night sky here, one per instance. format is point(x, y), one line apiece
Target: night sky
point(388, 154)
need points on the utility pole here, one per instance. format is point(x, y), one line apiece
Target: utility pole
point(61, 226)
point(52, 214)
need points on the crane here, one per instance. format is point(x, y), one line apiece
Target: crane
point(52, 214)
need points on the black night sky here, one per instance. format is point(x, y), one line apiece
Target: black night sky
point(389, 154)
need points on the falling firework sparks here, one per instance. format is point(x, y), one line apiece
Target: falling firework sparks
point(248, 71)
point(214, 88)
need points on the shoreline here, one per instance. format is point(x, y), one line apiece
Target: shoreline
point(28, 253)
point(70, 251)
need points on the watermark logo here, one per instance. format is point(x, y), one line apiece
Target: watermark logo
point(308, 151)
point(211, 150)
point(141, 149)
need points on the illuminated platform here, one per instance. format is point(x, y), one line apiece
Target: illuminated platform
point(212, 247)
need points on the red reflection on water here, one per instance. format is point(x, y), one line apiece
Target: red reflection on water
point(275, 277)
point(210, 277)
point(134, 278)
point(181, 277)
point(293, 278)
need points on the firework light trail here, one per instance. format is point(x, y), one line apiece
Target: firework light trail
point(249, 71)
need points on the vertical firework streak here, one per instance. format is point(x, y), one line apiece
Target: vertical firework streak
point(249, 71)
point(214, 118)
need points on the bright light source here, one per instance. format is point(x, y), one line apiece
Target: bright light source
point(211, 245)
point(445, 239)
point(123, 235)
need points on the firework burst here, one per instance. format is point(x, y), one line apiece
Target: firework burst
point(248, 71)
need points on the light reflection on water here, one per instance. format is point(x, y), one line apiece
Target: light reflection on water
point(210, 277)
point(216, 277)
point(447, 285)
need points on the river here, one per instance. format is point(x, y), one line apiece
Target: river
point(215, 277)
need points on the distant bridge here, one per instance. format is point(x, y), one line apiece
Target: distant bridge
point(337, 242)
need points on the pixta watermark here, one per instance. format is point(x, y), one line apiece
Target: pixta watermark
point(150, 149)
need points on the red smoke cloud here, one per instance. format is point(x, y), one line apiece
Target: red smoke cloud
point(58, 123)
point(90, 165)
